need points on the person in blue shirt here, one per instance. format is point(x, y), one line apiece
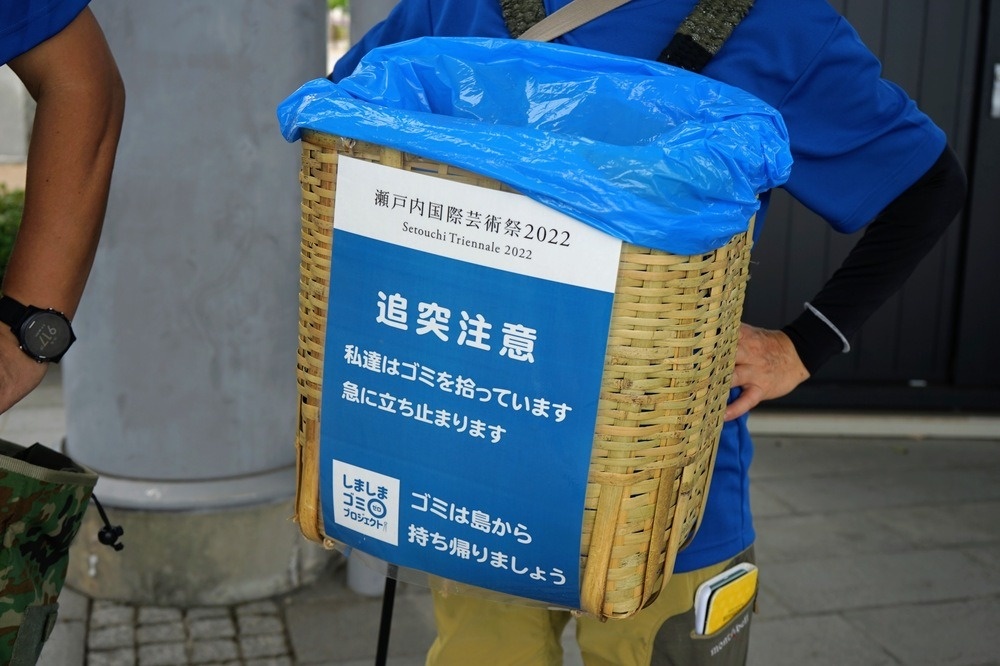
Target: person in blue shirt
point(864, 157)
point(58, 50)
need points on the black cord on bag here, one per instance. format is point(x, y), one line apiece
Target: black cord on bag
point(43, 456)
point(109, 534)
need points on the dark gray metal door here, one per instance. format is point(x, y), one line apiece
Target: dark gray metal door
point(977, 353)
point(931, 345)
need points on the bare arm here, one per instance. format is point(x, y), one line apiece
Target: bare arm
point(80, 105)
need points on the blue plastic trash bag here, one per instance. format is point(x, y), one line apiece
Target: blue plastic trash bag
point(649, 153)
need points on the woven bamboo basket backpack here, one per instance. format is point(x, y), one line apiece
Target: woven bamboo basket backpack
point(667, 370)
point(665, 383)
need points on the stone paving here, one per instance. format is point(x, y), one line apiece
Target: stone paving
point(251, 634)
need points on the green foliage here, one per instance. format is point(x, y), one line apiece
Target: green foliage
point(11, 205)
point(344, 4)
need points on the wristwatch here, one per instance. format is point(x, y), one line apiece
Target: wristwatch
point(43, 334)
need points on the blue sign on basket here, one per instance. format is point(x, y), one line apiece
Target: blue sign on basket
point(465, 346)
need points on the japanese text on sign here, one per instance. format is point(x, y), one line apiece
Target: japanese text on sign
point(366, 501)
point(488, 227)
point(498, 559)
point(459, 385)
point(474, 331)
point(422, 412)
point(416, 206)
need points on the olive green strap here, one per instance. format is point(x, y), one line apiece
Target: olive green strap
point(42, 464)
point(36, 625)
point(703, 33)
point(519, 15)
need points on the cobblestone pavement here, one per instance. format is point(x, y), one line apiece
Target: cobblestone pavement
point(252, 634)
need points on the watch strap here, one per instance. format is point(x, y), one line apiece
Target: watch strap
point(11, 311)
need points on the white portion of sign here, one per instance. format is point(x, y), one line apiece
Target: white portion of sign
point(501, 230)
point(366, 502)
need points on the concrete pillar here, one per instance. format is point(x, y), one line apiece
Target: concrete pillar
point(16, 111)
point(181, 392)
point(366, 13)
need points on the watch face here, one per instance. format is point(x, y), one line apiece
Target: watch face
point(46, 335)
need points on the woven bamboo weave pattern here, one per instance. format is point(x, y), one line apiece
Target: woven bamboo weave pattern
point(667, 370)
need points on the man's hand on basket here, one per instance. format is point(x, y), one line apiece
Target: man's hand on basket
point(767, 366)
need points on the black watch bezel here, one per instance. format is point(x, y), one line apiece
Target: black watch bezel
point(25, 322)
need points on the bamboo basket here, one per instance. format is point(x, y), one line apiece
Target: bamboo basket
point(667, 372)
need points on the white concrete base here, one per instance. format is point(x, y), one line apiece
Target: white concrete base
point(195, 558)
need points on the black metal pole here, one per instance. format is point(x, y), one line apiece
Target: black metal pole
point(385, 624)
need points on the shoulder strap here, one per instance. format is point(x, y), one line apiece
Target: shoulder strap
point(526, 19)
point(696, 41)
point(519, 15)
point(703, 33)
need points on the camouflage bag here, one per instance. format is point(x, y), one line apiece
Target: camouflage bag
point(43, 496)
